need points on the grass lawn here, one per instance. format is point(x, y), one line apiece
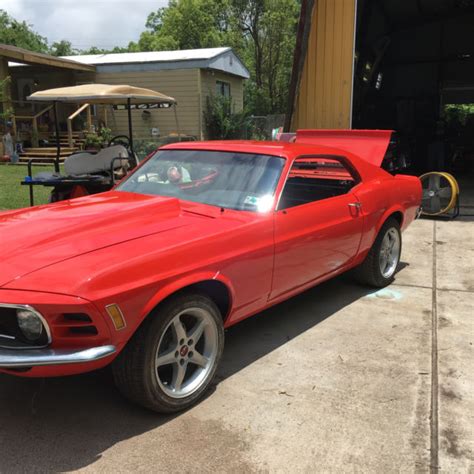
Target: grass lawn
point(12, 194)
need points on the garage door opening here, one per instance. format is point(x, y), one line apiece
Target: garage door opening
point(414, 73)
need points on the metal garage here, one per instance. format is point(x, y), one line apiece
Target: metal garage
point(402, 65)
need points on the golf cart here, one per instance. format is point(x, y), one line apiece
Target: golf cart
point(90, 173)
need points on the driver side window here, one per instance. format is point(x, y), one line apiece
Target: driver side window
point(314, 178)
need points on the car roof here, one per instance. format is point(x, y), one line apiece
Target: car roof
point(286, 150)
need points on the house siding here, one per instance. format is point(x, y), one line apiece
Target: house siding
point(182, 84)
point(190, 87)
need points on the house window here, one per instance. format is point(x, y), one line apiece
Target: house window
point(223, 88)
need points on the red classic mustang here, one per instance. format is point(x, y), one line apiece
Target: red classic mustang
point(202, 235)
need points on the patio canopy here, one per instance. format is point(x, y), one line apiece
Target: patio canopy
point(102, 94)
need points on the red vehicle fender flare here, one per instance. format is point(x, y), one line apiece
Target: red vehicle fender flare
point(394, 209)
point(187, 281)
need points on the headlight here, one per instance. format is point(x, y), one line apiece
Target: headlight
point(30, 324)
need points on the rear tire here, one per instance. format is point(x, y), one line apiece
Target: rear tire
point(379, 267)
point(172, 358)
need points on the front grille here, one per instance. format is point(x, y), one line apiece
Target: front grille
point(84, 330)
point(78, 324)
point(11, 336)
point(77, 317)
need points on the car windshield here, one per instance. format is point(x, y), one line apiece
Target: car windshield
point(242, 181)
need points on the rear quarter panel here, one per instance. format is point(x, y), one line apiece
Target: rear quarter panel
point(383, 196)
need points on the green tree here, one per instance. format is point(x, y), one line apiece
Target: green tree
point(62, 48)
point(186, 24)
point(20, 34)
point(96, 50)
point(262, 33)
point(268, 31)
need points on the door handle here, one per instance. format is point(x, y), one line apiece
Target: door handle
point(357, 205)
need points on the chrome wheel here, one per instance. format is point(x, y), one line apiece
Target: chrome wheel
point(389, 252)
point(186, 352)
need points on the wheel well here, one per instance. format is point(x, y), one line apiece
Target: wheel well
point(214, 289)
point(398, 216)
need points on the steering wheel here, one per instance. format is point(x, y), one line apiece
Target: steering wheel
point(120, 140)
point(125, 141)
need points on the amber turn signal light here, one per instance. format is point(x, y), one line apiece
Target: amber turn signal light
point(116, 316)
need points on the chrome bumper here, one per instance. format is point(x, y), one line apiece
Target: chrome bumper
point(10, 358)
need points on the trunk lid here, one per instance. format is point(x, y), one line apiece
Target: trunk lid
point(370, 145)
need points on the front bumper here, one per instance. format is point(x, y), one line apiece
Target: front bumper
point(14, 358)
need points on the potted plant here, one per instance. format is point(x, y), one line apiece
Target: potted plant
point(93, 142)
point(106, 135)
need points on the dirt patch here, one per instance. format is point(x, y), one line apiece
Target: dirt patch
point(468, 285)
point(212, 444)
point(450, 394)
point(444, 322)
point(450, 443)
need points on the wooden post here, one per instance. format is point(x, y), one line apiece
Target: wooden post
point(89, 119)
point(35, 136)
point(71, 118)
point(14, 125)
point(5, 93)
point(130, 131)
point(58, 142)
point(69, 132)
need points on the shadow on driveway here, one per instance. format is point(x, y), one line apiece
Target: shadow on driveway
point(66, 423)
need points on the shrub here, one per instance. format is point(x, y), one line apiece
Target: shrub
point(221, 123)
point(92, 140)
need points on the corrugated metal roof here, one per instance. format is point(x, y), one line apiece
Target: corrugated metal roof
point(149, 56)
point(219, 59)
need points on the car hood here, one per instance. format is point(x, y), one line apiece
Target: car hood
point(370, 145)
point(34, 238)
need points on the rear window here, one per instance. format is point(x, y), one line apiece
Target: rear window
point(322, 168)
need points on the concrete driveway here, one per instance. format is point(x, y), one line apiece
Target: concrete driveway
point(339, 379)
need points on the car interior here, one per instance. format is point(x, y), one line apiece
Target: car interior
point(315, 178)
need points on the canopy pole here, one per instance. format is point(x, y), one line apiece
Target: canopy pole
point(130, 132)
point(177, 123)
point(58, 141)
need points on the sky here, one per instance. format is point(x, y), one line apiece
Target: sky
point(85, 23)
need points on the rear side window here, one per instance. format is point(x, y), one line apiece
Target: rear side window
point(313, 179)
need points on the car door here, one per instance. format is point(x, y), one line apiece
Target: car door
point(318, 223)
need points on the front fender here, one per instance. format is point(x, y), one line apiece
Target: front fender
point(183, 282)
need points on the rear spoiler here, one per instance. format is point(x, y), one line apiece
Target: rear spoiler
point(370, 145)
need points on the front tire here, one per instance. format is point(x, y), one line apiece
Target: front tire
point(381, 263)
point(172, 358)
